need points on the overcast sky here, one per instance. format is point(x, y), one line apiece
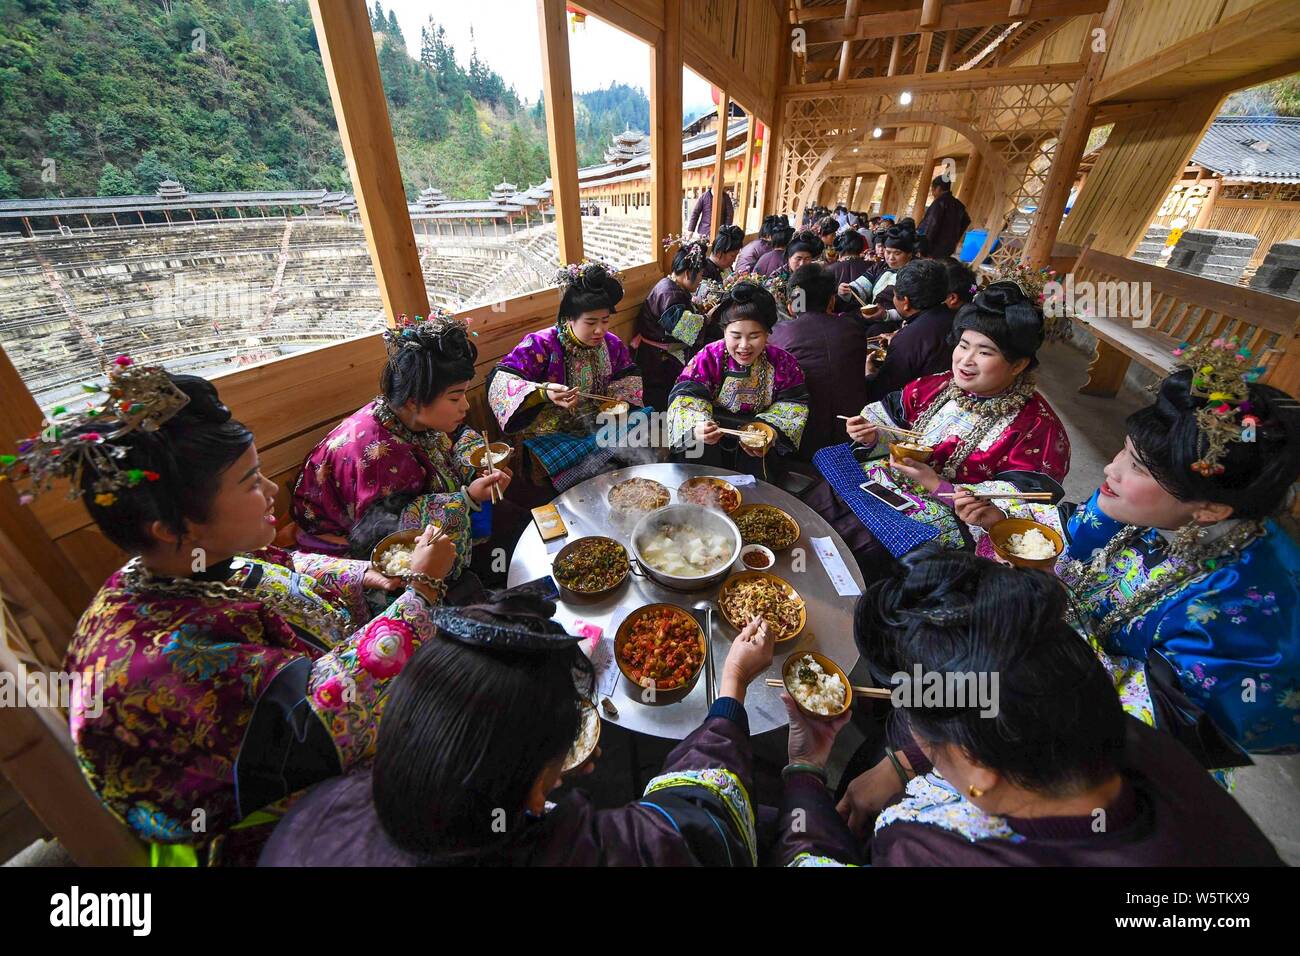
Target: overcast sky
point(505, 32)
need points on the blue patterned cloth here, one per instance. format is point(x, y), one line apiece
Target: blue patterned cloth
point(560, 452)
point(897, 532)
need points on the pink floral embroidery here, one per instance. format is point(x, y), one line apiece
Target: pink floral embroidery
point(329, 695)
point(385, 647)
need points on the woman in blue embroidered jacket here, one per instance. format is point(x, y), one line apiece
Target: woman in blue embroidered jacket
point(1020, 754)
point(476, 738)
point(1185, 583)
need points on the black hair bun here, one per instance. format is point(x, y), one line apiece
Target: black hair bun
point(204, 405)
point(596, 279)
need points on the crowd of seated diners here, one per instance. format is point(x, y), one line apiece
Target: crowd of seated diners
point(320, 709)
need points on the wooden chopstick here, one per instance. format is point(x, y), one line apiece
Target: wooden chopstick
point(854, 292)
point(906, 433)
point(992, 496)
point(548, 386)
point(877, 692)
point(495, 493)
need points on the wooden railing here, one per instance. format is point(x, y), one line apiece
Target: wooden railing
point(1185, 308)
point(290, 404)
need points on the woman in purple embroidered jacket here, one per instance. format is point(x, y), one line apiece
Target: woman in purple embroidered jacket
point(460, 779)
point(1014, 750)
point(533, 391)
point(232, 673)
point(403, 460)
point(673, 323)
point(736, 382)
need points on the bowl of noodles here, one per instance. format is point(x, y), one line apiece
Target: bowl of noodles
point(756, 593)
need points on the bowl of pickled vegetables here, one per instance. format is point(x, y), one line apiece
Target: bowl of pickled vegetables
point(590, 567)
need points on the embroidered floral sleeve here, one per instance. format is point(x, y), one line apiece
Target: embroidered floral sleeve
point(682, 324)
point(628, 389)
point(788, 418)
point(448, 512)
point(684, 413)
point(341, 578)
point(467, 442)
point(348, 687)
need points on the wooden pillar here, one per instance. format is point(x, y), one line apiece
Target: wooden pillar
point(895, 53)
point(36, 755)
point(945, 58)
point(1206, 211)
point(724, 108)
point(560, 135)
point(923, 52)
point(747, 181)
point(966, 181)
point(846, 48)
point(666, 133)
point(924, 177)
point(347, 49)
point(866, 189)
point(1070, 144)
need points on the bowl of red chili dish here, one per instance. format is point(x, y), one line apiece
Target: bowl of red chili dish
point(660, 646)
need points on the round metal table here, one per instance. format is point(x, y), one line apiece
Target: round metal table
point(830, 617)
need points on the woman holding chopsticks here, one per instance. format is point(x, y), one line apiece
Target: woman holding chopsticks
point(987, 427)
point(403, 460)
point(1022, 783)
point(737, 382)
point(552, 388)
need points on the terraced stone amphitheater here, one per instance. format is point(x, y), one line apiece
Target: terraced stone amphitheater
point(209, 296)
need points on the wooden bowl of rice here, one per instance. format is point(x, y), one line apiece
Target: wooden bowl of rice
point(584, 745)
point(399, 542)
point(1001, 535)
point(790, 677)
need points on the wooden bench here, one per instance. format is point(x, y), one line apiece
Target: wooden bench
point(1184, 308)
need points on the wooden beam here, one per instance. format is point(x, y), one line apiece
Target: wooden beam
point(719, 164)
point(1070, 145)
point(945, 58)
point(954, 16)
point(923, 53)
point(1261, 41)
point(37, 756)
point(895, 53)
point(1115, 112)
point(1018, 9)
point(846, 49)
point(347, 51)
point(666, 138)
point(560, 135)
point(640, 24)
point(930, 11)
point(966, 80)
point(974, 41)
point(742, 212)
point(1044, 33)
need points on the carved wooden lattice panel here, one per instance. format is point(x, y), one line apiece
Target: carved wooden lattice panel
point(1013, 126)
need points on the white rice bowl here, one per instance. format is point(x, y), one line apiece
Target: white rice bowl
point(1032, 544)
point(396, 560)
point(825, 694)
